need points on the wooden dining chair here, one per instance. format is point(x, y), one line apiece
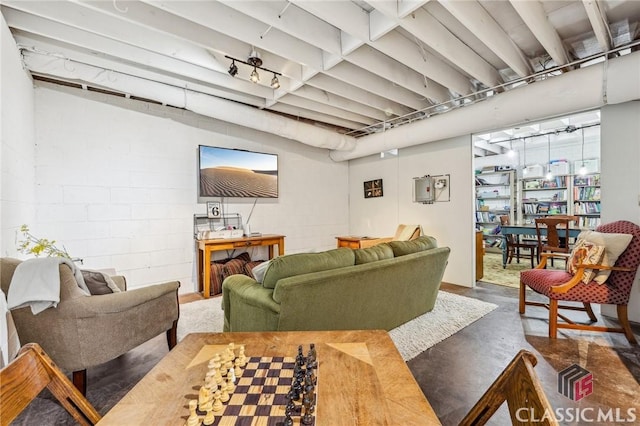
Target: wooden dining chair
point(28, 374)
point(553, 234)
point(526, 249)
point(519, 386)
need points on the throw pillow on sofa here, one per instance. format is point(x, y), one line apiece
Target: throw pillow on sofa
point(98, 282)
point(257, 269)
point(374, 253)
point(305, 263)
point(400, 248)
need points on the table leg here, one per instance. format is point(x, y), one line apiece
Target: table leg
point(270, 249)
point(505, 251)
point(206, 274)
point(281, 247)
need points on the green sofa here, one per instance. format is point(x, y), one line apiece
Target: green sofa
point(379, 287)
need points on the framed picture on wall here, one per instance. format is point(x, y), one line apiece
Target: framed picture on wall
point(373, 188)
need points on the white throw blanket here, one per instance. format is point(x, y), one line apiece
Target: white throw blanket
point(9, 342)
point(36, 283)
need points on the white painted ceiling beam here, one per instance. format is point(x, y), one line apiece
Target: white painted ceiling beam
point(77, 16)
point(329, 84)
point(344, 15)
point(217, 16)
point(215, 42)
point(534, 16)
point(376, 62)
point(431, 32)
point(493, 148)
point(341, 102)
point(293, 21)
point(412, 54)
point(314, 116)
point(355, 25)
point(472, 15)
point(366, 80)
point(598, 21)
point(424, 63)
point(101, 60)
point(147, 59)
point(292, 99)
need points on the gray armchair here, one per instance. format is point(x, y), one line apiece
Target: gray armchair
point(84, 331)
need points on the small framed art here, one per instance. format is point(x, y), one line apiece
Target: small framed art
point(373, 188)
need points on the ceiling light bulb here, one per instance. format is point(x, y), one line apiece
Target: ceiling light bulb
point(275, 83)
point(583, 170)
point(255, 77)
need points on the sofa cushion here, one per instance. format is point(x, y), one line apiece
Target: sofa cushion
point(304, 263)
point(373, 253)
point(400, 248)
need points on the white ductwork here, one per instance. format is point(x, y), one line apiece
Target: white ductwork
point(200, 103)
point(611, 82)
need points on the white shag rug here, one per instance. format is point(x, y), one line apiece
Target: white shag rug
point(451, 314)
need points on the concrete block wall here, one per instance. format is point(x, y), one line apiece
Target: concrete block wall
point(17, 137)
point(116, 184)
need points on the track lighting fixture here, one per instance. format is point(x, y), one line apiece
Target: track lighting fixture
point(233, 69)
point(255, 62)
point(275, 83)
point(255, 77)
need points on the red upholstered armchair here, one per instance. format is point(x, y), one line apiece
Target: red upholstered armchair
point(559, 285)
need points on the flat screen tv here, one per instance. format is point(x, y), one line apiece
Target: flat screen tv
point(226, 172)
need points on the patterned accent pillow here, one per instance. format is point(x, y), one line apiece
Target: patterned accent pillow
point(220, 270)
point(585, 252)
point(615, 245)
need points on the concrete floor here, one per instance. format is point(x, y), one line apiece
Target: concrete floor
point(452, 374)
point(456, 372)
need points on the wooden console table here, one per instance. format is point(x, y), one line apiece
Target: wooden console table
point(362, 379)
point(205, 247)
point(352, 242)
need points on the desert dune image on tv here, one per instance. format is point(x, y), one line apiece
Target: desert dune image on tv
point(237, 173)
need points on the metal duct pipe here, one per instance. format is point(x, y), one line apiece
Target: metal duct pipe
point(200, 103)
point(611, 82)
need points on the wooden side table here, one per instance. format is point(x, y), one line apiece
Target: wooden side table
point(205, 247)
point(352, 242)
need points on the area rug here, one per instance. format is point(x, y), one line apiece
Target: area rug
point(451, 314)
point(509, 276)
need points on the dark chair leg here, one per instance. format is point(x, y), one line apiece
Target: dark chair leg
point(587, 308)
point(80, 381)
point(172, 335)
point(624, 322)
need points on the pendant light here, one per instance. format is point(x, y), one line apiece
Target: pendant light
point(583, 168)
point(549, 175)
point(525, 171)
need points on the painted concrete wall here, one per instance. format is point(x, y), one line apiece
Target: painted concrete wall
point(116, 183)
point(450, 222)
point(17, 177)
point(621, 177)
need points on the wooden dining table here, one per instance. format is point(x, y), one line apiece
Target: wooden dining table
point(527, 230)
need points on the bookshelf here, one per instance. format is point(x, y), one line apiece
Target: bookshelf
point(495, 197)
point(564, 194)
point(541, 197)
point(586, 200)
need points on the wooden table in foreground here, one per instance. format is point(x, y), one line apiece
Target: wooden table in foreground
point(205, 247)
point(362, 379)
